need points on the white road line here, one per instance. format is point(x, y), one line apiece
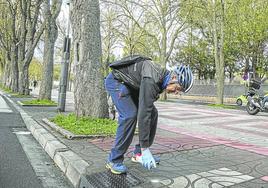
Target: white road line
point(4, 107)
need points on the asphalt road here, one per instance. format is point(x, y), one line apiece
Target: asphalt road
point(23, 164)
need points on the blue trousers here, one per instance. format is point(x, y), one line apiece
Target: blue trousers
point(126, 103)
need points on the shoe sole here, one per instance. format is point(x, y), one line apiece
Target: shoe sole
point(113, 171)
point(133, 159)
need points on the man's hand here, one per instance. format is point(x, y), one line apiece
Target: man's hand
point(147, 159)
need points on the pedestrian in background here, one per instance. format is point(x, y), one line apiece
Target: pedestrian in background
point(34, 84)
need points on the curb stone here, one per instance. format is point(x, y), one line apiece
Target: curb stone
point(64, 132)
point(14, 96)
point(71, 164)
point(44, 138)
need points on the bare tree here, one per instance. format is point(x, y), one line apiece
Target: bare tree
point(51, 11)
point(109, 19)
point(29, 34)
point(159, 20)
point(129, 27)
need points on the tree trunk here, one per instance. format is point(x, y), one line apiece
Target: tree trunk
point(221, 73)
point(14, 85)
point(47, 76)
point(106, 66)
point(6, 75)
point(218, 50)
point(6, 71)
point(231, 77)
point(254, 64)
point(50, 37)
point(24, 80)
point(163, 53)
point(22, 47)
point(89, 93)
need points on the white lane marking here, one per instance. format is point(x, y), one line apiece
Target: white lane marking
point(4, 107)
point(45, 168)
point(22, 132)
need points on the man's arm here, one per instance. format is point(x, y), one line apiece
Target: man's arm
point(148, 95)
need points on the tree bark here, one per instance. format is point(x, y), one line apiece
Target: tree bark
point(23, 7)
point(219, 50)
point(163, 56)
point(14, 85)
point(89, 93)
point(7, 72)
point(50, 37)
point(24, 80)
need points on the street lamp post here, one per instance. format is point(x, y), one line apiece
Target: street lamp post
point(64, 67)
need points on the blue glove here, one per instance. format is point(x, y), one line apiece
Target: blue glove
point(147, 158)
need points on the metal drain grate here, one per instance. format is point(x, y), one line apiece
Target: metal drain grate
point(108, 179)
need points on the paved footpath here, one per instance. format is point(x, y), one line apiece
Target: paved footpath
point(199, 146)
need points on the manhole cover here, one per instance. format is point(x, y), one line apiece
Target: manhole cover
point(108, 179)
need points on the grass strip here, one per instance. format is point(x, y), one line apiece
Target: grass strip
point(39, 102)
point(222, 106)
point(13, 94)
point(5, 89)
point(86, 125)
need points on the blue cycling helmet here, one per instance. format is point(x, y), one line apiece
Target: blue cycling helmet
point(184, 76)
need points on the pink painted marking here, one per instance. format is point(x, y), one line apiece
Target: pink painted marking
point(191, 109)
point(234, 122)
point(258, 133)
point(259, 150)
point(264, 178)
point(180, 114)
point(201, 136)
point(162, 143)
point(180, 118)
point(219, 140)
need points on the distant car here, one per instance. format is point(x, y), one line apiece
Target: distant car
point(241, 100)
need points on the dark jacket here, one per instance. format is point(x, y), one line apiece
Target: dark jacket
point(140, 74)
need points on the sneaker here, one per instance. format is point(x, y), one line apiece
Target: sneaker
point(136, 158)
point(116, 168)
